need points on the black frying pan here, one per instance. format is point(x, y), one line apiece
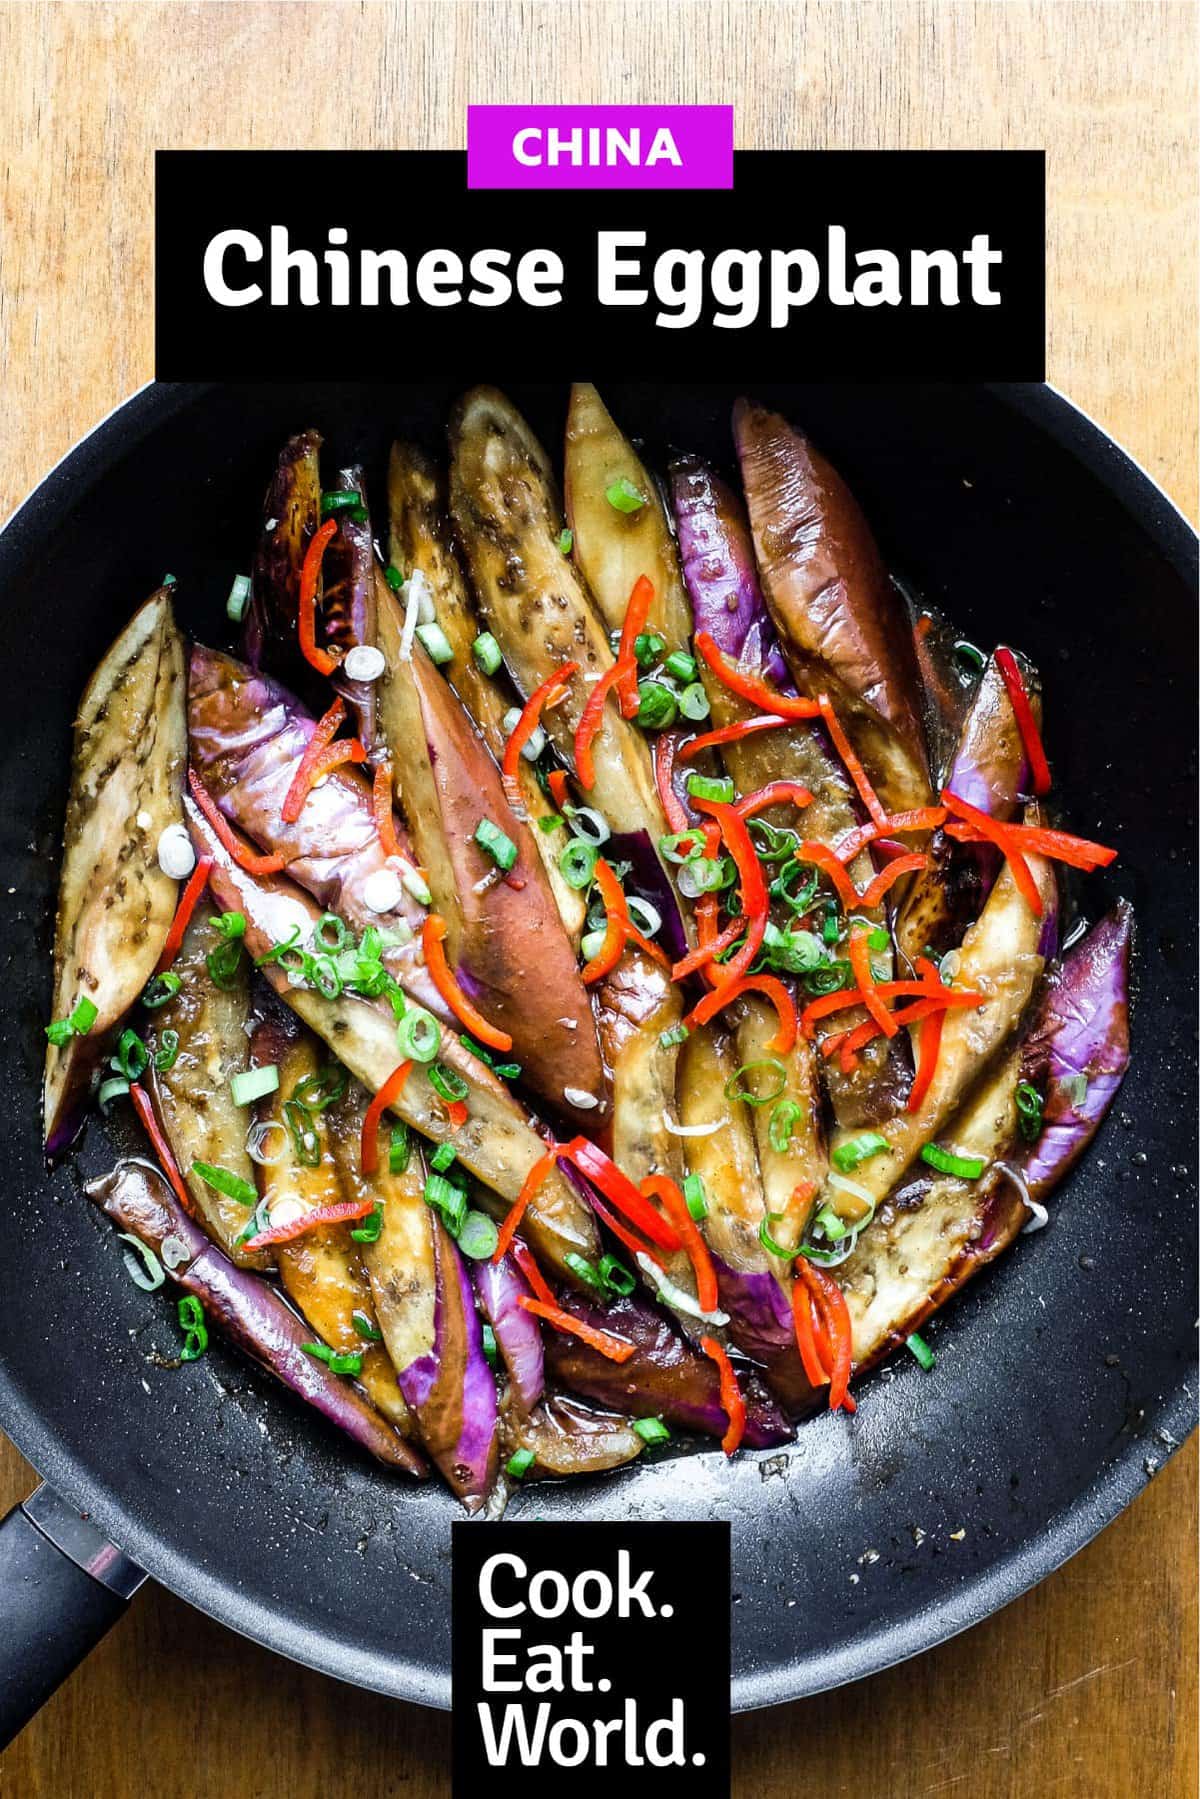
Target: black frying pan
point(1063, 1375)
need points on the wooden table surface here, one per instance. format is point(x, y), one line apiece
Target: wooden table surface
point(1086, 1686)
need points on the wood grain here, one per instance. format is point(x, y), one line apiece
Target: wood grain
point(1085, 1687)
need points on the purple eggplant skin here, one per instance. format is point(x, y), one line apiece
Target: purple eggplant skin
point(451, 1390)
point(989, 770)
point(761, 1324)
point(291, 514)
point(1082, 1029)
point(841, 622)
point(246, 735)
point(719, 569)
point(499, 1287)
point(664, 1377)
point(248, 1310)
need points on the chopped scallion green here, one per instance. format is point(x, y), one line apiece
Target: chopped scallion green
point(497, 844)
point(486, 652)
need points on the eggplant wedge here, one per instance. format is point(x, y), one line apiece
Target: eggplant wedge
point(191, 1094)
point(728, 1163)
point(1003, 956)
point(291, 515)
point(322, 1271)
point(246, 1308)
point(426, 1311)
point(348, 573)
point(989, 770)
point(420, 543)
point(727, 602)
point(567, 1438)
point(788, 1131)
point(665, 1377)
point(935, 1231)
point(247, 736)
point(498, 1143)
point(505, 938)
point(508, 520)
point(842, 624)
point(115, 904)
point(499, 1288)
point(615, 545)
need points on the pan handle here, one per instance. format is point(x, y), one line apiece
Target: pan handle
point(62, 1586)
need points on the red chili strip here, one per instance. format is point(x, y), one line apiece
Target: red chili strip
point(343, 1211)
point(391, 1090)
point(864, 980)
point(835, 1317)
point(712, 948)
point(556, 781)
point(1031, 737)
point(534, 1180)
point(189, 899)
point(751, 886)
point(248, 859)
point(331, 756)
point(524, 1257)
point(433, 936)
point(750, 687)
point(776, 793)
point(732, 1402)
point(821, 856)
point(661, 1186)
point(622, 1233)
point(927, 1058)
point(590, 723)
point(853, 766)
point(1059, 846)
point(620, 1192)
point(1007, 842)
point(666, 748)
point(713, 740)
point(897, 824)
point(162, 1149)
point(772, 988)
point(873, 893)
point(615, 1348)
point(636, 614)
point(310, 575)
point(552, 688)
point(381, 805)
point(806, 1341)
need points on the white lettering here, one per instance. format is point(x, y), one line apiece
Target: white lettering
point(216, 285)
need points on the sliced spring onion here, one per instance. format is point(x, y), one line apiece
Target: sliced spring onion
point(767, 1240)
point(330, 933)
point(341, 500)
point(651, 1431)
point(443, 1158)
point(167, 1053)
point(159, 989)
point(842, 1184)
point(675, 1296)
point(498, 845)
point(266, 1142)
point(591, 943)
point(520, 1463)
point(693, 702)
point(922, 1351)
point(250, 1084)
point(108, 1091)
point(368, 1230)
point(80, 1022)
point(448, 1201)
point(223, 964)
point(399, 1149)
point(678, 1033)
point(414, 883)
point(967, 1168)
point(587, 823)
point(616, 1277)
point(370, 1333)
point(656, 706)
point(393, 577)
point(489, 1346)
point(785, 1116)
point(1074, 1089)
point(707, 874)
point(566, 541)
point(646, 918)
point(132, 1057)
point(174, 1251)
point(435, 643)
point(682, 846)
point(695, 1196)
point(191, 1320)
point(1030, 1107)
point(486, 652)
point(306, 1141)
point(142, 1265)
point(549, 821)
point(624, 496)
point(969, 653)
point(535, 743)
point(316, 1092)
point(419, 1035)
point(681, 667)
point(278, 951)
point(577, 863)
point(478, 1237)
point(848, 1155)
point(711, 787)
point(229, 925)
point(648, 646)
point(336, 1363)
point(833, 1229)
point(447, 1083)
point(231, 1186)
point(587, 1271)
point(735, 1087)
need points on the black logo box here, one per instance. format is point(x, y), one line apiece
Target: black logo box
point(666, 1674)
point(414, 201)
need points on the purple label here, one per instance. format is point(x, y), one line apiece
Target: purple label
point(600, 146)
